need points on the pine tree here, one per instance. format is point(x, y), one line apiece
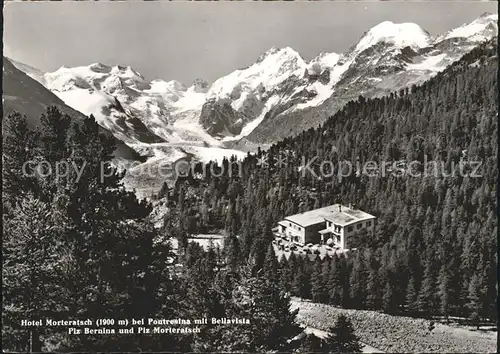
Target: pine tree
point(415, 244)
point(232, 251)
point(261, 244)
point(312, 344)
point(272, 323)
point(35, 263)
point(344, 282)
point(411, 297)
point(101, 226)
point(426, 298)
point(285, 277)
point(19, 153)
point(54, 134)
point(444, 289)
point(373, 299)
point(53, 146)
point(334, 282)
point(271, 265)
point(301, 285)
point(319, 289)
point(342, 338)
point(388, 298)
point(357, 282)
point(474, 304)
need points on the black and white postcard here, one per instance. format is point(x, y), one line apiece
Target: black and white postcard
point(250, 177)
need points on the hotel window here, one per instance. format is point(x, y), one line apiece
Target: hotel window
point(359, 226)
point(368, 223)
point(349, 229)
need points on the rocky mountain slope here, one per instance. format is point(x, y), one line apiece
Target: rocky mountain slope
point(138, 111)
point(387, 58)
point(23, 94)
point(149, 159)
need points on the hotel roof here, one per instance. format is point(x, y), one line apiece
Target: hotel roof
point(348, 216)
point(343, 217)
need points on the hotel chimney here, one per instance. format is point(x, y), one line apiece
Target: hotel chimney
point(340, 208)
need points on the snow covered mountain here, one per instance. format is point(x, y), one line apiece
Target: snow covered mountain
point(386, 58)
point(145, 160)
point(25, 95)
point(279, 95)
point(119, 98)
point(136, 110)
point(478, 30)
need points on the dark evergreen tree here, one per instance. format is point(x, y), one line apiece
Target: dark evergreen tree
point(18, 158)
point(342, 338)
point(36, 262)
point(301, 285)
point(474, 304)
point(232, 251)
point(271, 265)
point(319, 278)
point(411, 297)
point(312, 344)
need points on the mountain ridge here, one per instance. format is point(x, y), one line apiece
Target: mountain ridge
point(23, 94)
point(279, 95)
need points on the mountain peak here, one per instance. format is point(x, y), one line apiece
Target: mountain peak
point(279, 52)
point(489, 15)
point(99, 67)
point(482, 28)
point(127, 72)
point(398, 34)
point(271, 69)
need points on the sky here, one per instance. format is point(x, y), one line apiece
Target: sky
point(189, 40)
